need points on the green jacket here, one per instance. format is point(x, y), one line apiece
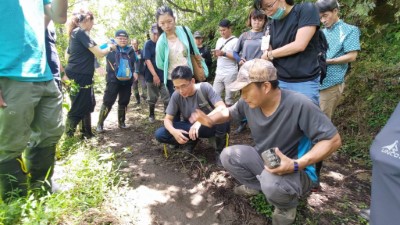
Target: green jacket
point(162, 50)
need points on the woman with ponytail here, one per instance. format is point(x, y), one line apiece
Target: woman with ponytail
point(81, 54)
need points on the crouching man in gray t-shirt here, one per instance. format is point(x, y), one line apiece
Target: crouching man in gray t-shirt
point(277, 118)
point(188, 97)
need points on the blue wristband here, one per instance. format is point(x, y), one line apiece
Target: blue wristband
point(296, 166)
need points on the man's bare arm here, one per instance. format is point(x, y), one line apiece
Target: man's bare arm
point(57, 10)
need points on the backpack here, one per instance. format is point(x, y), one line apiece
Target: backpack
point(122, 66)
point(323, 47)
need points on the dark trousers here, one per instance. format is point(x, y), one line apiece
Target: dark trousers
point(117, 89)
point(162, 135)
point(82, 95)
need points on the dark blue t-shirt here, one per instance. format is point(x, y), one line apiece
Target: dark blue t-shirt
point(149, 53)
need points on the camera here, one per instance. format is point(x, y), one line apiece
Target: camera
point(271, 160)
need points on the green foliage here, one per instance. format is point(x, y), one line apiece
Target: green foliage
point(261, 205)
point(88, 179)
point(372, 92)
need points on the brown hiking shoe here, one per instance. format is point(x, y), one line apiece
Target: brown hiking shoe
point(245, 191)
point(284, 216)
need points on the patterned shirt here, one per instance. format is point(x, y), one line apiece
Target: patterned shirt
point(342, 38)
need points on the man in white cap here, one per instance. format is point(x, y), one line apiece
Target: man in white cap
point(276, 118)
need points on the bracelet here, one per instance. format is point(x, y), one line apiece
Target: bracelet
point(296, 166)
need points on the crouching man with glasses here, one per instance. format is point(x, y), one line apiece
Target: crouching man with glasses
point(186, 98)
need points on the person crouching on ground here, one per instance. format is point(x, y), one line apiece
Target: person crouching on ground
point(188, 97)
point(276, 118)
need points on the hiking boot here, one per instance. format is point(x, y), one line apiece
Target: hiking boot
point(13, 179)
point(87, 127)
point(70, 126)
point(241, 127)
point(99, 128)
point(245, 191)
point(152, 119)
point(218, 159)
point(137, 97)
point(144, 98)
point(283, 216)
point(189, 146)
point(151, 110)
point(221, 141)
point(102, 116)
point(121, 117)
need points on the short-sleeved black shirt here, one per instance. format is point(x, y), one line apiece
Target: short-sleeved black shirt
point(302, 66)
point(81, 59)
point(149, 53)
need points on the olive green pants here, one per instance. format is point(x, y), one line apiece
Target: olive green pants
point(33, 115)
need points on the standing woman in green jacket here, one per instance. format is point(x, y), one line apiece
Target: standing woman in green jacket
point(172, 49)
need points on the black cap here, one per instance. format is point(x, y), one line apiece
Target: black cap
point(197, 34)
point(121, 33)
point(154, 28)
point(225, 23)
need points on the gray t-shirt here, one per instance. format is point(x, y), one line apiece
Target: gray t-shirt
point(295, 117)
point(249, 45)
point(189, 104)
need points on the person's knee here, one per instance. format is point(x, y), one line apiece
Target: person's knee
point(276, 192)
point(230, 157)
point(160, 134)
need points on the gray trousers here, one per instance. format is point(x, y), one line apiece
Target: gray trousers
point(245, 164)
point(153, 92)
point(220, 84)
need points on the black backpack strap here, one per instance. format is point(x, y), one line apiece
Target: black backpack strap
point(204, 102)
point(190, 43)
point(226, 42)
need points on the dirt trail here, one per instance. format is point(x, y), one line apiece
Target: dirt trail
point(186, 189)
point(165, 191)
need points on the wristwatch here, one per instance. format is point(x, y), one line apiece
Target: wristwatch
point(224, 54)
point(296, 166)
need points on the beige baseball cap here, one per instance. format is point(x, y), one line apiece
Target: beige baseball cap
point(256, 70)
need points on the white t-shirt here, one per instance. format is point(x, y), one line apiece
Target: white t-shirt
point(177, 56)
point(226, 66)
